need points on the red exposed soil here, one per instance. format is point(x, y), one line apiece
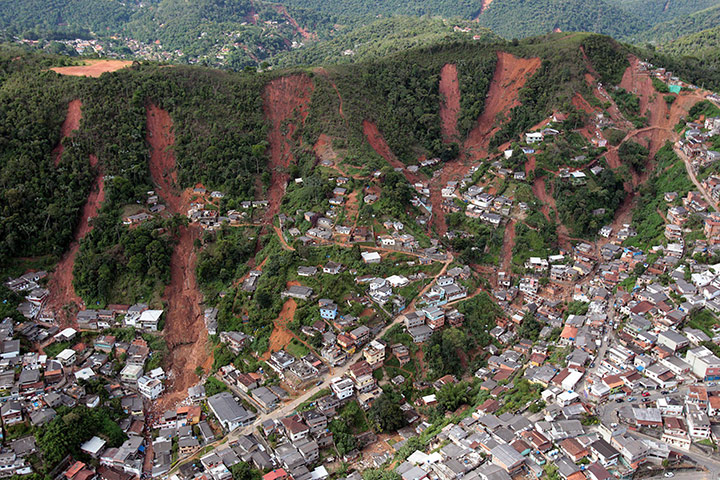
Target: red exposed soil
point(162, 159)
point(92, 68)
point(284, 244)
point(508, 244)
point(579, 101)
point(283, 97)
point(378, 143)
point(281, 336)
point(449, 102)
point(538, 189)
point(184, 330)
point(60, 285)
point(485, 5)
point(303, 32)
point(510, 75)
point(661, 118)
point(323, 148)
point(530, 165)
point(70, 124)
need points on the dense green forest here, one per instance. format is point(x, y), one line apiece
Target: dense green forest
point(525, 18)
point(704, 45)
point(682, 25)
point(38, 202)
point(241, 33)
point(584, 209)
point(234, 33)
point(654, 12)
point(381, 38)
point(400, 94)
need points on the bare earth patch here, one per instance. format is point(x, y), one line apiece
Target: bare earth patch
point(92, 68)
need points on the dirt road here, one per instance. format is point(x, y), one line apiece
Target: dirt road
point(507, 246)
point(698, 185)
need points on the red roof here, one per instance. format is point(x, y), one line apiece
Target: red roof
point(74, 469)
point(569, 332)
point(280, 473)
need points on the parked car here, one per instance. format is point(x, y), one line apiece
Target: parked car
point(646, 394)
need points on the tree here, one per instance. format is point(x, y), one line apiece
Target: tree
point(530, 327)
point(386, 414)
point(452, 395)
point(214, 386)
point(379, 474)
point(344, 439)
point(243, 471)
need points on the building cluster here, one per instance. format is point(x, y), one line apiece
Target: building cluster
point(34, 386)
point(487, 446)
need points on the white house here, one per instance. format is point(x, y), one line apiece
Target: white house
point(150, 388)
point(342, 387)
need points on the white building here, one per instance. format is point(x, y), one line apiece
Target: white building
point(342, 387)
point(698, 423)
point(150, 388)
point(67, 357)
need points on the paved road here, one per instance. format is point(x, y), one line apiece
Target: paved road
point(291, 406)
point(608, 415)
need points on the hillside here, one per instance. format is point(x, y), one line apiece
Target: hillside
point(237, 34)
point(181, 186)
point(213, 32)
point(525, 18)
point(683, 25)
point(654, 12)
point(398, 95)
point(704, 45)
point(383, 37)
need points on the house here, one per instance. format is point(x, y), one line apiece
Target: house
point(11, 413)
point(703, 363)
point(307, 271)
point(421, 333)
point(533, 137)
point(93, 447)
point(130, 374)
point(435, 317)
point(149, 320)
point(371, 257)
point(295, 429)
point(228, 412)
point(150, 388)
point(297, 291)
point(67, 357)
point(672, 339)
point(507, 458)
point(698, 423)
point(332, 268)
point(342, 387)
point(374, 353)
point(604, 453)
point(328, 309)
